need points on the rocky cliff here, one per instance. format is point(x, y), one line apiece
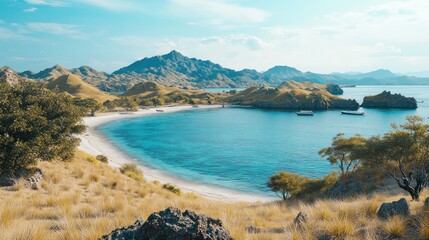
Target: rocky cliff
point(388, 100)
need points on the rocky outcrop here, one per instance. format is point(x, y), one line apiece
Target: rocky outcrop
point(9, 76)
point(172, 224)
point(388, 100)
point(401, 207)
point(32, 178)
point(334, 89)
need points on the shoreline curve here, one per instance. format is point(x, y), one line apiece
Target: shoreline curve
point(95, 143)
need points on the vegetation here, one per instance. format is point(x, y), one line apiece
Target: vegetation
point(79, 199)
point(132, 171)
point(339, 153)
point(102, 158)
point(402, 153)
point(89, 104)
point(290, 184)
point(36, 124)
point(172, 188)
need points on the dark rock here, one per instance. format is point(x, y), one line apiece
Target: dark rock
point(426, 204)
point(334, 89)
point(172, 224)
point(32, 177)
point(389, 100)
point(401, 207)
point(301, 218)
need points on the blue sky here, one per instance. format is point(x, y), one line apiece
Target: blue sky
point(312, 35)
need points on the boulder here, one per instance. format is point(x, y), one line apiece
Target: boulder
point(301, 218)
point(172, 224)
point(401, 207)
point(388, 100)
point(32, 177)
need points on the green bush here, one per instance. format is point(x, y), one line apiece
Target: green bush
point(102, 158)
point(36, 124)
point(132, 171)
point(172, 188)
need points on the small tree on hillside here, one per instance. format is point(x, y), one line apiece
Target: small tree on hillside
point(402, 153)
point(129, 104)
point(340, 153)
point(36, 124)
point(287, 184)
point(90, 104)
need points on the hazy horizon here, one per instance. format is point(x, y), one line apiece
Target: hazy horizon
point(309, 35)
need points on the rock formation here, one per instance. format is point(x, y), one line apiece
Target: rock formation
point(401, 207)
point(388, 100)
point(172, 224)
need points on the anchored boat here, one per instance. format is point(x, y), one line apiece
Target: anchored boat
point(352, 112)
point(305, 113)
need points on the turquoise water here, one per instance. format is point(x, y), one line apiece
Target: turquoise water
point(239, 148)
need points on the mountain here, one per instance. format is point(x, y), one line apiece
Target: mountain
point(9, 76)
point(174, 69)
point(285, 73)
point(292, 95)
point(73, 85)
point(49, 73)
point(377, 74)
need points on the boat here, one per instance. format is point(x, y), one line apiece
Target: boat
point(352, 112)
point(195, 106)
point(305, 113)
point(159, 110)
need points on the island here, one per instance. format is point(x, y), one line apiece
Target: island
point(388, 100)
point(293, 95)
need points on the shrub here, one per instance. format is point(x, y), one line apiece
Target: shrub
point(172, 188)
point(132, 171)
point(102, 158)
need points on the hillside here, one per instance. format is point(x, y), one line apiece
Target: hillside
point(73, 85)
point(153, 91)
point(9, 76)
point(86, 199)
point(292, 95)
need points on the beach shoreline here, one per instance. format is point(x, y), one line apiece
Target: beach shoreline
point(95, 143)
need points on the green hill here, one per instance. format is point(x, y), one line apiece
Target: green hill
point(73, 85)
point(292, 95)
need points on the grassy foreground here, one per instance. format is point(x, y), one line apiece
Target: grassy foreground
point(85, 199)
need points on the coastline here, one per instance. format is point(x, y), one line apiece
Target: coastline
point(96, 143)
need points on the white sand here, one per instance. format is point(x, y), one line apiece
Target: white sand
point(95, 143)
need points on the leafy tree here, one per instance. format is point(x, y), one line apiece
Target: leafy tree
point(90, 104)
point(402, 153)
point(287, 184)
point(110, 105)
point(340, 152)
point(36, 124)
point(129, 104)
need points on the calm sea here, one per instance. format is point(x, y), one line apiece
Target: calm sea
point(239, 148)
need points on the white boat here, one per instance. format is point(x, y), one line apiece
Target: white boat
point(352, 112)
point(305, 113)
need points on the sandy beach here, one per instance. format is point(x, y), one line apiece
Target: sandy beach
point(95, 143)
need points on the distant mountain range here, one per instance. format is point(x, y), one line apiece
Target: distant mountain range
point(176, 70)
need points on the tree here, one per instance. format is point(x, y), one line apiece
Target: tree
point(110, 105)
point(90, 104)
point(402, 154)
point(287, 184)
point(36, 124)
point(340, 152)
point(129, 104)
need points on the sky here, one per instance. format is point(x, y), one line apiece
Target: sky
point(322, 36)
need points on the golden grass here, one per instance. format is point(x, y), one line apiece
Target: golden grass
point(85, 199)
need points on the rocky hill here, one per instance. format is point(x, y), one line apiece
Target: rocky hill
point(388, 100)
point(292, 95)
point(73, 85)
point(9, 76)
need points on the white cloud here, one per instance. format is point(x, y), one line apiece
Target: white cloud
point(69, 30)
point(116, 5)
point(217, 12)
point(30, 9)
point(52, 3)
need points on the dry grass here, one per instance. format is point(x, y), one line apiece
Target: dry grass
point(85, 199)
